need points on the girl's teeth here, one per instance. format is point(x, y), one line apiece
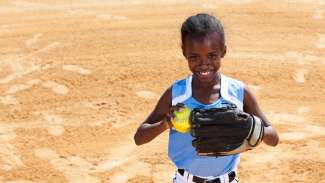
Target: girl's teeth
point(204, 73)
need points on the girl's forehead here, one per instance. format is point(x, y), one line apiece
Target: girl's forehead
point(208, 41)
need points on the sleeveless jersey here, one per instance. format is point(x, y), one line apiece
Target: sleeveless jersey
point(180, 149)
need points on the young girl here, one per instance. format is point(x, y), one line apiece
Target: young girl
point(203, 45)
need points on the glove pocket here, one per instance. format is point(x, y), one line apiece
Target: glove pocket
point(220, 131)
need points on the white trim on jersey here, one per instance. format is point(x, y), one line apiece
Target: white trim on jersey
point(187, 94)
point(224, 92)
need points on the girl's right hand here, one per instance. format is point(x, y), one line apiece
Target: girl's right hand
point(179, 118)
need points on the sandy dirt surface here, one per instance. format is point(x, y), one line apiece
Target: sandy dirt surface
point(78, 77)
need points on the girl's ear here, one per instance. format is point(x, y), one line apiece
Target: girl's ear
point(224, 51)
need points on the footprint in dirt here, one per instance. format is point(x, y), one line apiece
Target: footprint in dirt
point(300, 129)
point(285, 118)
point(303, 133)
point(295, 56)
point(33, 40)
point(76, 68)
point(299, 75)
point(321, 2)
point(161, 173)
point(303, 110)
point(293, 136)
point(53, 124)
point(318, 15)
point(129, 171)
point(9, 156)
point(321, 42)
point(256, 89)
point(98, 105)
point(111, 17)
point(77, 169)
point(18, 181)
point(116, 116)
point(56, 87)
point(4, 26)
point(146, 94)
point(49, 47)
point(123, 158)
point(21, 87)
point(19, 68)
point(8, 100)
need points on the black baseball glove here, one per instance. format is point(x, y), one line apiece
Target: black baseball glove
point(224, 131)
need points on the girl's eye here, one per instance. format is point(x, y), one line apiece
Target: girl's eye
point(212, 57)
point(193, 58)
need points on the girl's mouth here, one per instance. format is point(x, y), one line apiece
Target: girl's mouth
point(205, 75)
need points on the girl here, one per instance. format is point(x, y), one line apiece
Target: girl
point(203, 46)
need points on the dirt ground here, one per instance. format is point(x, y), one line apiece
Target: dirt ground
point(78, 77)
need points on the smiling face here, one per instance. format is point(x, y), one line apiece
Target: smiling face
point(204, 55)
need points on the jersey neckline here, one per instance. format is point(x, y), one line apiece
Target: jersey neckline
point(214, 102)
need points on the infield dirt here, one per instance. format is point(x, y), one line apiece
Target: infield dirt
point(78, 77)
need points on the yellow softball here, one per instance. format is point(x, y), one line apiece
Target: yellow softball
point(181, 120)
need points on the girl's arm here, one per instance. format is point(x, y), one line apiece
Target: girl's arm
point(251, 106)
point(156, 123)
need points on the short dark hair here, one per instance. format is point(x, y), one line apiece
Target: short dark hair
point(200, 25)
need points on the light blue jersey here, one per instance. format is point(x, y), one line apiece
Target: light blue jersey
point(180, 149)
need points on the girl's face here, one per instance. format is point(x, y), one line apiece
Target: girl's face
point(204, 56)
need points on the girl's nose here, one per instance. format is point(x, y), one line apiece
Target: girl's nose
point(205, 61)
